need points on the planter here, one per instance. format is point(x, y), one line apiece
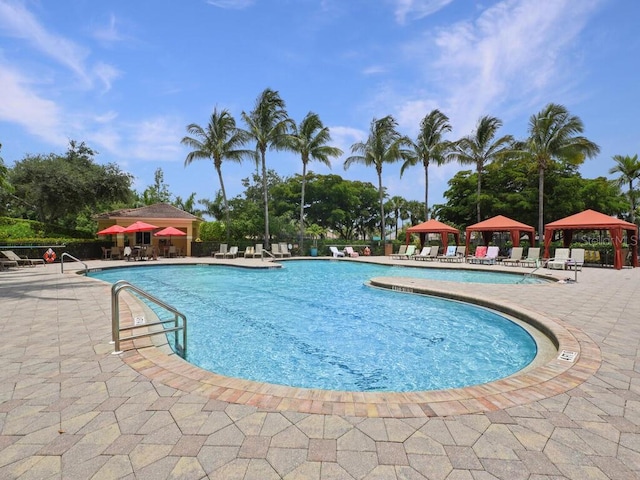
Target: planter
point(314, 252)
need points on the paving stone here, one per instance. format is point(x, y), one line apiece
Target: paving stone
point(254, 447)
point(188, 446)
point(322, 450)
point(391, 453)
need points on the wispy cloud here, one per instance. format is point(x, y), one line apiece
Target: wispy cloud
point(513, 56)
point(108, 33)
point(20, 104)
point(417, 9)
point(231, 4)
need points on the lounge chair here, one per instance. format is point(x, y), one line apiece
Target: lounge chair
point(559, 261)
point(349, 251)
point(432, 253)
point(7, 263)
point(423, 253)
point(117, 253)
point(248, 252)
point(450, 254)
point(257, 253)
point(12, 256)
point(461, 252)
point(491, 257)
point(576, 259)
point(401, 251)
point(515, 257)
point(275, 250)
point(479, 254)
point(335, 252)
point(222, 252)
point(232, 253)
point(410, 253)
point(532, 259)
point(284, 250)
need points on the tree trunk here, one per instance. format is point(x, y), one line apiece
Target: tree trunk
point(632, 199)
point(304, 175)
point(382, 223)
point(266, 200)
point(426, 191)
point(540, 205)
point(478, 193)
point(226, 205)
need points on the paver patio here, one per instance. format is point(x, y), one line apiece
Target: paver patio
point(70, 409)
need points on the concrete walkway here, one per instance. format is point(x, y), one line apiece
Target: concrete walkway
point(71, 409)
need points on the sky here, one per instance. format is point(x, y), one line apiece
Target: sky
point(128, 77)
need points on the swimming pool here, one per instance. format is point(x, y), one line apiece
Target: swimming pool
point(315, 324)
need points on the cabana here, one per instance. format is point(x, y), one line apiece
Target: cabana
point(592, 220)
point(434, 226)
point(501, 223)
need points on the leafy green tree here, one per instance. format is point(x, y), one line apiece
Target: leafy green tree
point(414, 212)
point(383, 145)
point(310, 140)
point(430, 146)
point(158, 192)
point(267, 124)
point(480, 149)
point(554, 136)
point(629, 169)
point(188, 205)
point(219, 141)
point(57, 189)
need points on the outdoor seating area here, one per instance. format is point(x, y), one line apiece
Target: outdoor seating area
point(12, 257)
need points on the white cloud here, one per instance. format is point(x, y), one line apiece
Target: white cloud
point(374, 70)
point(156, 139)
point(106, 74)
point(21, 105)
point(108, 33)
point(417, 9)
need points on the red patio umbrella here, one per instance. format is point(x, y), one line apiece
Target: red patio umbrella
point(169, 232)
point(112, 230)
point(139, 227)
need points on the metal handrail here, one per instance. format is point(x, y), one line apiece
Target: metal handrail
point(120, 285)
point(65, 254)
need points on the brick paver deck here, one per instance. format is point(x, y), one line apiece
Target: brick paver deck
point(70, 409)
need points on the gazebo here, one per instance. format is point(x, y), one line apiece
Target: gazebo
point(592, 220)
point(434, 226)
point(500, 223)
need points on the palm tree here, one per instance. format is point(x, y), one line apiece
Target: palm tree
point(480, 149)
point(220, 140)
point(553, 135)
point(267, 123)
point(384, 145)
point(629, 170)
point(428, 147)
point(396, 205)
point(310, 139)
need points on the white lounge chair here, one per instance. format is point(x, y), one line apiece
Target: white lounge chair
point(532, 259)
point(14, 257)
point(222, 252)
point(576, 260)
point(432, 253)
point(257, 253)
point(515, 257)
point(284, 250)
point(335, 252)
point(232, 253)
point(402, 249)
point(559, 261)
point(450, 254)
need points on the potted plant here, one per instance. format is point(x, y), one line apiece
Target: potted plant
point(314, 231)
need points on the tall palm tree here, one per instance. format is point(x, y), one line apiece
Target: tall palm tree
point(310, 139)
point(220, 140)
point(480, 149)
point(430, 147)
point(384, 145)
point(629, 170)
point(553, 135)
point(396, 205)
point(267, 123)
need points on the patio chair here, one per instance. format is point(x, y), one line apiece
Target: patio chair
point(461, 253)
point(576, 259)
point(257, 253)
point(7, 263)
point(248, 252)
point(559, 261)
point(116, 253)
point(284, 250)
point(335, 252)
point(479, 254)
point(515, 257)
point(532, 259)
point(432, 253)
point(402, 250)
point(11, 255)
point(232, 253)
point(349, 251)
point(491, 257)
point(221, 252)
point(275, 250)
point(449, 254)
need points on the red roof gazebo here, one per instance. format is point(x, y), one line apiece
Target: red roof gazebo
point(434, 226)
point(501, 223)
point(592, 220)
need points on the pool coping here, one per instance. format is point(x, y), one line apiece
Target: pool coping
point(156, 362)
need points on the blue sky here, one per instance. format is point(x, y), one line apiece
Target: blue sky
point(128, 77)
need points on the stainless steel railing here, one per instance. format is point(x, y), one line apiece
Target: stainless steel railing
point(65, 254)
point(116, 329)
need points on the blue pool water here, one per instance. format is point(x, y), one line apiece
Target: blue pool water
point(315, 324)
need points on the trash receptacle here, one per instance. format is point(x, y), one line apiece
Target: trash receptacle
point(388, 249)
